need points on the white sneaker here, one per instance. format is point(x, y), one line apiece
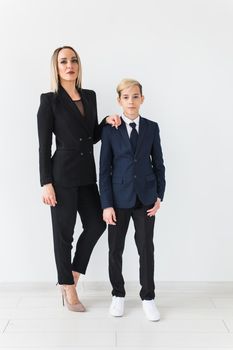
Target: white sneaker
point(117, 306)
point(150, 309)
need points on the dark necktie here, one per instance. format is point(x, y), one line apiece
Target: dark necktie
point(133, 136)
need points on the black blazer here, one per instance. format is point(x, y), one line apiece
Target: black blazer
point(72, 164)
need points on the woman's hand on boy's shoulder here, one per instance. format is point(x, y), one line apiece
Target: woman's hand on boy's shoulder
point(114, 120)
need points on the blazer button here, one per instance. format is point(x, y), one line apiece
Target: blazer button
point(80, 139)
point(135, 160)
point(89, 138)
point(81, 153)
point(135, 176)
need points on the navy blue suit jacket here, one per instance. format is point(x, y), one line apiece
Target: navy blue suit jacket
point(123, 174)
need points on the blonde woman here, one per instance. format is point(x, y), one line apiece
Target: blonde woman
point(68, 178)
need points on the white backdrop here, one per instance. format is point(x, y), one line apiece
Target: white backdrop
point(182, 53)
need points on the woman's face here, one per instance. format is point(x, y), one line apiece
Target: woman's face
point(67, 64)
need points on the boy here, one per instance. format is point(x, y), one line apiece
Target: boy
point(132, 184)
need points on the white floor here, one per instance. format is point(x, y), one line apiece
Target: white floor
point(193, 316)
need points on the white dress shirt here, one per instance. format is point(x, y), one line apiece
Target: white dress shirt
point(127, 121)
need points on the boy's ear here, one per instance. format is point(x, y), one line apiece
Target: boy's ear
point(119, 100)
point(143, 98)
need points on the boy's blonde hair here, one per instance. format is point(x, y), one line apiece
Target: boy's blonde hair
point(54, 70)
point(126, 83)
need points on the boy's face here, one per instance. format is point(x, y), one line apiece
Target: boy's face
point(130, 101)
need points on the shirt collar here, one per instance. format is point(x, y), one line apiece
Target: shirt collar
point(127, 120)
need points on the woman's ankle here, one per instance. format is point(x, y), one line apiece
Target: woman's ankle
point(76, 276)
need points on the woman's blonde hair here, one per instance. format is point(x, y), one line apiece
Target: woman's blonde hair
point(54, 69)
point(126, 83)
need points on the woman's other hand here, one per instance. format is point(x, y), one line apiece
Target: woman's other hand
point(48, 195)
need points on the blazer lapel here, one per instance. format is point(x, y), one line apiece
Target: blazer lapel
point(141, 135)
point(73, 109)
point(122, 129)
point(87, 110)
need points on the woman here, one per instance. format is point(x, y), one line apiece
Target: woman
point(69, 176)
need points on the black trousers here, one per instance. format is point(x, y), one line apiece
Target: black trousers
point(144, 228)
point(84, 200)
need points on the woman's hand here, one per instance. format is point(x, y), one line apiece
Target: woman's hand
point(114, 120)
point(109, 216)
point(48, 195)
point(153, 211)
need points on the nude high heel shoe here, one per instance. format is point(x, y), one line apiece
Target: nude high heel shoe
point(78, 307)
